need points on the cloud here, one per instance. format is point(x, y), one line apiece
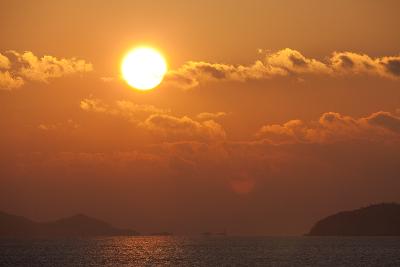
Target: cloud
point(210, 115)
point(183, 128)
point(8, 82)
point(4, 62)
point(133, 108)
point(22, 67)
point(132, 111)
point(159, 121)
point(235, 178)
point(344, 63)
point(334, 127)
point(68, 125)
point(285, 62)
point(385, 120)
point(331, 127)
point(93, 162)
point(192, 73)
point(96, 105)
point(291, 61)
point(391, 65)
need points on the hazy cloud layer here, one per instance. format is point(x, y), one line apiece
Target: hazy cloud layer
point(333, 127)
point(333, 159)
point(241, 179)
point(17, 68)
point(284, 63)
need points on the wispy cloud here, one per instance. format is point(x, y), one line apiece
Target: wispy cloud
point(66, 126)
point(123, 108)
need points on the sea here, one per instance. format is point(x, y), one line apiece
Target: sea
point(202, 251)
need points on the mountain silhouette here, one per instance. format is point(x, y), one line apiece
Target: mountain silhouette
point(76, 226)
point(375, 220)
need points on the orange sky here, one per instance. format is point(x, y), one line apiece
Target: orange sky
point(272, 112)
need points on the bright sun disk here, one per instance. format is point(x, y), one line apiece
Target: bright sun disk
point(143, 68)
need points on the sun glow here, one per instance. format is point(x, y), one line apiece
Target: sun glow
point(143, 68)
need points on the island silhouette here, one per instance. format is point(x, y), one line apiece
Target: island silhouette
point(79, 225)
point(375, 220)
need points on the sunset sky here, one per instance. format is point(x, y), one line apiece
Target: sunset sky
point(272, 114)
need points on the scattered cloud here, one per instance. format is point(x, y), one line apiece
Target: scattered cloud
point(183, 128)
point(22, 67)
point(285, 62)
point(192, 73)
point(159, 121)
point(333, 127)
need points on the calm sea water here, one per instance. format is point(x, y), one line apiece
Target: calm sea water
point(202, 251)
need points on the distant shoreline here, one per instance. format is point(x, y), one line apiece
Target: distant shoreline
point(374, 220)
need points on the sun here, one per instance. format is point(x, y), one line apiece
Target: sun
point(143, 68)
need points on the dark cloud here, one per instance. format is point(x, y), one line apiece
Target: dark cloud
point(393, 66)
point(214, 72)
point(346, 62)
point(297, 61)
point(385, 120)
